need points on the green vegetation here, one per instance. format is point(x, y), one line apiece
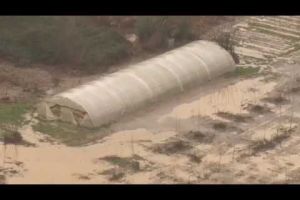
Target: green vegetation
point(70, 134)
point(60, 40)
point(128, 163)
point(244, 72)
point(81, 41)
point(183, 31)
point(13, 113)
point(155, 31)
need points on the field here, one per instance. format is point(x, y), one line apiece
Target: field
point(242, 127)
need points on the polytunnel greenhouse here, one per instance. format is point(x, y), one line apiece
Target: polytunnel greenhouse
point(110, 97)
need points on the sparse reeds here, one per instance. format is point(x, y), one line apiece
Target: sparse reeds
point(234, 117)
point(259, 109)
point(264, 144)
point(276, 99)
point(220, 126)
point(172, 147)
point(199, 137)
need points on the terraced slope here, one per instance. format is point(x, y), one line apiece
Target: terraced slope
point(262, 39)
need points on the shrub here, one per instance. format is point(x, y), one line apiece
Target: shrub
point(60, 40)
point(154, 32)
point(183, 30)
point(102, 47)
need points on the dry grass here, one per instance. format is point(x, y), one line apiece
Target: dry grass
point(30, 79)
point(70, 134)
point(113, 174)
point(263, 144)
point(127, 163)
point(124, 165)
point(199, 137)
point(220, 126)
point(259, 109)
point(83, 177)
point(277, 99)
point(195, 158)
point(234, 117)
point(172, 147)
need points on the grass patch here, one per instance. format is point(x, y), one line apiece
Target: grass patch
point(244, 72)
point(70, 134)
point(12, 117)
point(13, 113)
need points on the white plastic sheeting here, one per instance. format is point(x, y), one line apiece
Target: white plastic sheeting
point(108, 98)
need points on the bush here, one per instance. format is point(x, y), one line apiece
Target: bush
point(183, 30)
point(103, 47)
point(154, 32)
point(60, 40)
